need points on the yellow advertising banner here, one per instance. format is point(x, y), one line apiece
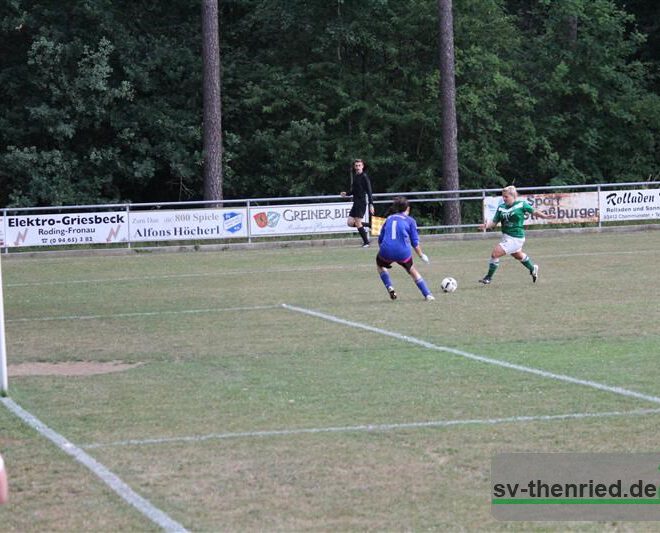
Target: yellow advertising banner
point(376, 225)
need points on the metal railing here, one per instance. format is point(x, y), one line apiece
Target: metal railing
point(428, 202)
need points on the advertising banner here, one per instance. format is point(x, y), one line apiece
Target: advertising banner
point(630, 205)
point(568, 208)
point(2, 232)
point(299, 219)
point(65, 229)
point(188, 224)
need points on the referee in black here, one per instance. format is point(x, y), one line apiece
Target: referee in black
point(362, 196)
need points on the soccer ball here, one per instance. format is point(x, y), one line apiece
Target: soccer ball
point(449, 285)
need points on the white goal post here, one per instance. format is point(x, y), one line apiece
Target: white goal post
point(3, 345)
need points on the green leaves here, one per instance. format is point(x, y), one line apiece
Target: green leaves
point(103, 99)
point(585, 107)
point(103, 111)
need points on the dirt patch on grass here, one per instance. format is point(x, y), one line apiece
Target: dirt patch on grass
point(76, 368)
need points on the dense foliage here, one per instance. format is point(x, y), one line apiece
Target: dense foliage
point(102, 98)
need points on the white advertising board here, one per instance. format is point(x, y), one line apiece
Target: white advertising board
point(65, 229)
point(188, 224)
point(299, 219)
point(567, 208)
point(630, 205)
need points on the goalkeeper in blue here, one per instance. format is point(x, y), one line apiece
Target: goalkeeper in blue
point(397, 240)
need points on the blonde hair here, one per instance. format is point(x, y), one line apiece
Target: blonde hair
point(510, 190)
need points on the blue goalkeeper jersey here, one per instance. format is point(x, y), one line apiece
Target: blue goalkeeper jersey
point(397, 237)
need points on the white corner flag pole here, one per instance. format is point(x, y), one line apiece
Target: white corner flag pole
point(3, 345)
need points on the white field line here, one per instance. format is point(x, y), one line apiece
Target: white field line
point(371, 428)
point(154, 514)
point(143, 313)
point(440, 260)
point(479, 358)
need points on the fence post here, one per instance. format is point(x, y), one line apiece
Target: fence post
point(600, 220)
point(249, 226)
point(483, 201)
point(4, 381)
point(5, 248)
point(128, 225)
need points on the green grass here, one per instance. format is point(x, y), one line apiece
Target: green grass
point(213, 363)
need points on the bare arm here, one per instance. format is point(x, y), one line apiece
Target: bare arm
point(541, 214)
point(487, 225)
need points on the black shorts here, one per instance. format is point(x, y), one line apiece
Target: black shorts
point(386, 263)
point(358, 210)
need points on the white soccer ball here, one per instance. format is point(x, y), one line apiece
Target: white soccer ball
point(449, 285)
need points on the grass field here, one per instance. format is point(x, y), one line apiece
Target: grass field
point(244, 414)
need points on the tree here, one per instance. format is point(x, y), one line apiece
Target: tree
point(102, 99)
point(450, 179)
point(212, 101)
point(594, 111)
point(495, 106)
point(103, 102)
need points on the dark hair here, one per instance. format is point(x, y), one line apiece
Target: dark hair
point(400, 204)
point(358, 161)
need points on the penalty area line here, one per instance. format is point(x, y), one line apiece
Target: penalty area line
point(143, 313)
point(151, 512)
point(370, 428)
point(479, 358)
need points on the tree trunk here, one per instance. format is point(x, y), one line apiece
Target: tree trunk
point(450, 180)
point(212, 118)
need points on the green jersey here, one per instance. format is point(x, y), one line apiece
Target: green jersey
point(513, 217)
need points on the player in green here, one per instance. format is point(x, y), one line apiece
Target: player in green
point(511, 213)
